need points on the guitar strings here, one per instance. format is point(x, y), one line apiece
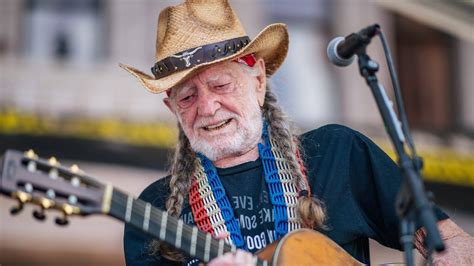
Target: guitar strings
point(187, 229)
point(156, 215)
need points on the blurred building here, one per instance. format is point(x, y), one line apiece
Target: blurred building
point(59, 57)
point(60, 80)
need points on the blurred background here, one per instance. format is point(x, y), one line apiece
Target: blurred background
point(63, 94)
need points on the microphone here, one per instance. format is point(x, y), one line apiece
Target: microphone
point(341, 50)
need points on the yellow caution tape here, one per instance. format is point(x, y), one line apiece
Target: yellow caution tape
point(441, 164)
point(161, 135)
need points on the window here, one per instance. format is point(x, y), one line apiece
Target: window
point(426, 72)
point(64, 30)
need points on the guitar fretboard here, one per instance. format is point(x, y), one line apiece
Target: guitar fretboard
point(168, 229)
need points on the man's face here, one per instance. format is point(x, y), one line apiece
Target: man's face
point(219, 109)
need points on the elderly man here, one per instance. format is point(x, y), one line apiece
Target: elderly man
point(239, 171)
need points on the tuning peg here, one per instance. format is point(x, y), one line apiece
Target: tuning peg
point(67, 210)
point(50, 193)
point(44, 205)
point(30, 154)
point(75, 169)
point(22, 198)
point(53, 173)
point(16, 209)
point(75, 181)
point(39, 214)
point(31, 166)
point(62, 221)
point(53, 161)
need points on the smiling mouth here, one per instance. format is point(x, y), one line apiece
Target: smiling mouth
point(218, 126)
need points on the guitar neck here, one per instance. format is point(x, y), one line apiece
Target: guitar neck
point(171, 230)
point(30, 179)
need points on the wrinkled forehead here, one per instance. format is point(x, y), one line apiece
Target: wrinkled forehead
point(207, 75)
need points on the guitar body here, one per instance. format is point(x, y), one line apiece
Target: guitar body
point(306, 247)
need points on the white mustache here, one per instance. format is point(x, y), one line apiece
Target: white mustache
point(209, 120)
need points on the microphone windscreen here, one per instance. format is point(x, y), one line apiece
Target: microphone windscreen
point(334, 57)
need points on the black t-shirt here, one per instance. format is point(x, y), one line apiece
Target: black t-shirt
point(354, 178)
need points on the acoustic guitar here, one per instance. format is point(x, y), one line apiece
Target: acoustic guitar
point(33, 180)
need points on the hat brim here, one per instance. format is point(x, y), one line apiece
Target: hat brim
point(271, 44)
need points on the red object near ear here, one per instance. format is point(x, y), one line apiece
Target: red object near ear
point(249, 60)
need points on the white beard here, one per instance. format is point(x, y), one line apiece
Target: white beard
point(246, 137)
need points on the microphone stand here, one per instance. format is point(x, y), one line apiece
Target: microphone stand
point(412, 203)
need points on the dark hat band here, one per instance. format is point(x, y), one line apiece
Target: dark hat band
point(198, 55)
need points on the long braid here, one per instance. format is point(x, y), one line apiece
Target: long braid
point(281, 132)
point(182, 169)
point(310, 211)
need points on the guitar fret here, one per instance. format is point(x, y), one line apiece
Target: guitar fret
point(171, 230)
point(164, 221)
point(207, 247)
point(146, 219)
point(107, 198)
point(179, 231)
point(221, 248)
point(192, 250)
point(128, 211)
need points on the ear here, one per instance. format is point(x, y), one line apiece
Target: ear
point(261, 81)
point(169, 104)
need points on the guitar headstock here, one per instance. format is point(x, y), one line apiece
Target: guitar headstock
point(51, 186)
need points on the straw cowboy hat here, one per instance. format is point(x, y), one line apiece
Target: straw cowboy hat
point(200, 33)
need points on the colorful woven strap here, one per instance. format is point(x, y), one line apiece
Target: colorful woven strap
point(215, 214)
point(283, 192)
point(211, 207)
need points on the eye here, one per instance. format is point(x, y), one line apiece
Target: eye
point(186, 100)
point(224, 87)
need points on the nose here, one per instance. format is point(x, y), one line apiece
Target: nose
point(208, 103)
